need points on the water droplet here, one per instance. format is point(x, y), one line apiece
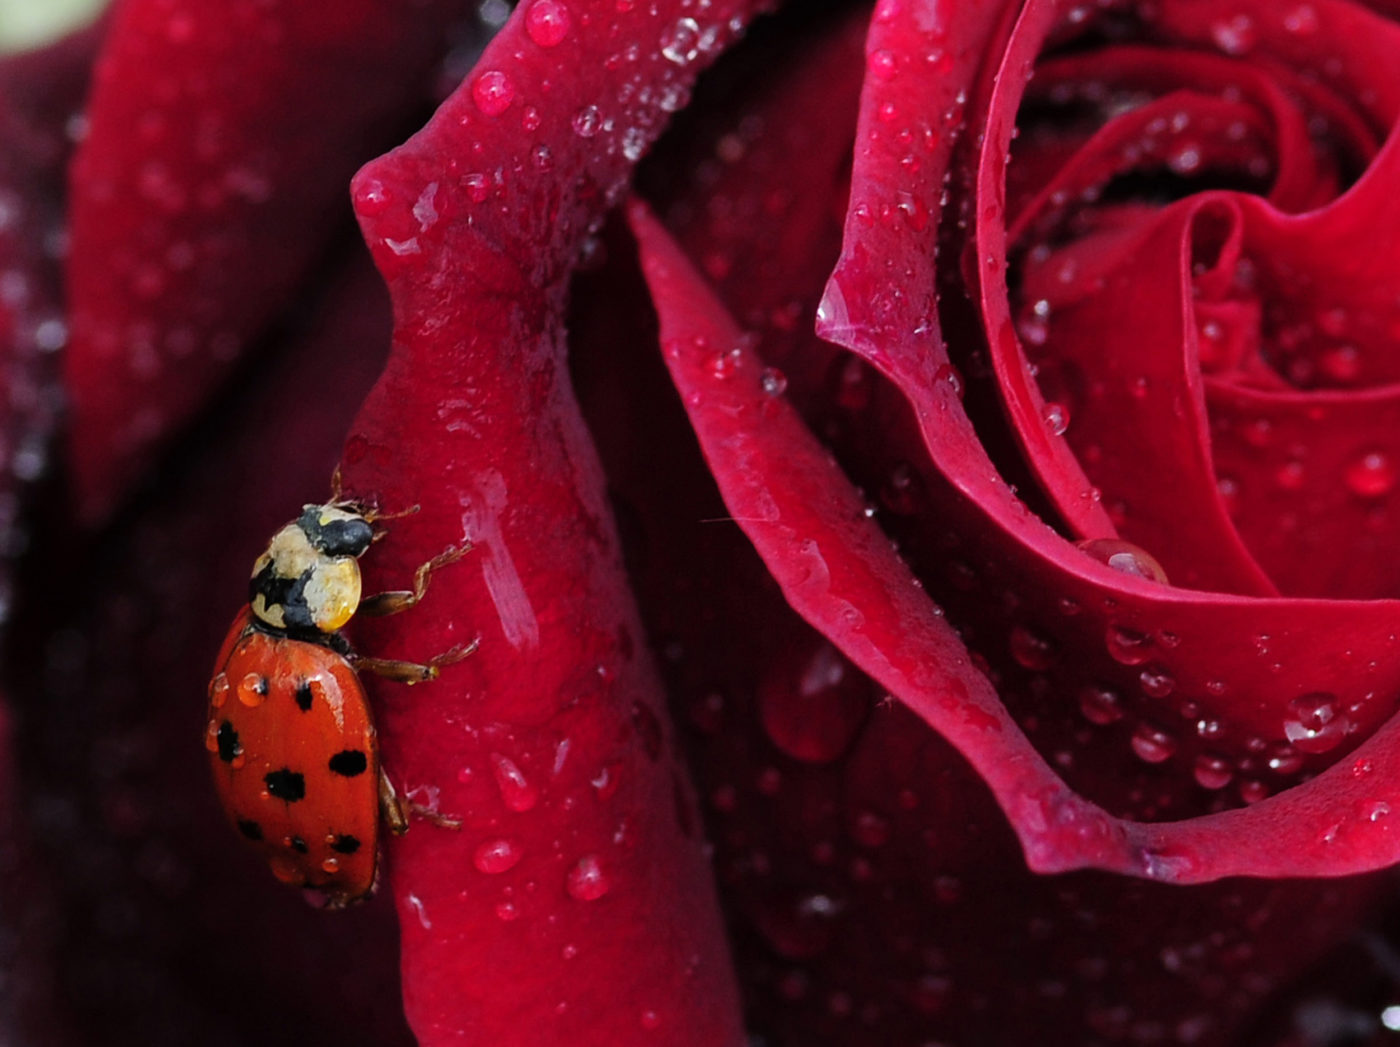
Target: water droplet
point(252, 690)
point(478, 187)
point(1153, 744)
point(1376, 810)
point(1156, 682)
point(1031, 650)
point(1212, 771)
point(1301, 20)
point(1057, 418)
point(1283, 759)
point(587, 121)
point(371, 198)
point(1100, 705)
point(813, 709)
point(493, 91)
point(1341, 364)
point(516, 791)
point(1128, 646)
point(1316, 722)
point(496, 856)
point(902, 490)
point(1372, 475)
point(219, 689)
point(1236, 35)
point(681, 42)
point(773, 381)
point(586, 881)
point(547, 22)
point(870, 830)
point(882, 64)
point(1125, 557)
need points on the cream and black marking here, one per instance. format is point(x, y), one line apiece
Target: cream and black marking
point(307, 583)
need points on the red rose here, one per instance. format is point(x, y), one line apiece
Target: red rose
point(963, 463)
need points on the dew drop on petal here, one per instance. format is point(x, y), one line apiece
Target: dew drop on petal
point(1100, 705)
point(547, 22)
point(1031, 650)
point(813, 708)
point(1316, 722)
point(681, 42)
point(1212, 771)
point(1127, 646)
point(496, 856)
point(1156, 682)
point(1372, 475)
point(1152, 744)
point(493, 91)
point(1057, 418)
point(1125, 557)
point(586, 881)
point(587, 121)
point(516, 791)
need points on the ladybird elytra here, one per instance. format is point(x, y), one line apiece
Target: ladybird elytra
point(296, 757)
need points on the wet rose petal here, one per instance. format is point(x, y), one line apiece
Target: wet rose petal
point(553, 733)
point(219, 140)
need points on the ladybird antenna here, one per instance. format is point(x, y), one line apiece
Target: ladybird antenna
point(335, 485)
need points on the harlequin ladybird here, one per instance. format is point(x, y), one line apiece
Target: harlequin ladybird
point(291, 735)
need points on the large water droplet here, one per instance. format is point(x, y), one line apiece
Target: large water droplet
point(813, 710)
point(1125, 557)
point(1316, 722)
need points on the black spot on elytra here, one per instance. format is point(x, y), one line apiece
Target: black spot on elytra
point(303, 696)
point(349, 762)
point(298, 845)
point(285, 784)
point(345, 844)
point(228, 742)
point(250, 829)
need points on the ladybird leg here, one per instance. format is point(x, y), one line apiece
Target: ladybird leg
point(415, 672)
point(392, 806)
point(381, 605)
point(396, 809)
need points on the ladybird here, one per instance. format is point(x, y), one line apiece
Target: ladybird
point(291, 735)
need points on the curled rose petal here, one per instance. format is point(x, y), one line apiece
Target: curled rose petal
point(211, 175)
point(579, 872)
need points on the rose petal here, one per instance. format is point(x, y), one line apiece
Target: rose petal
point(550, 741)
point(210, 176)
point(838, 571)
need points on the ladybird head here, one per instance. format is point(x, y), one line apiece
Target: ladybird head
point(308, 578)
